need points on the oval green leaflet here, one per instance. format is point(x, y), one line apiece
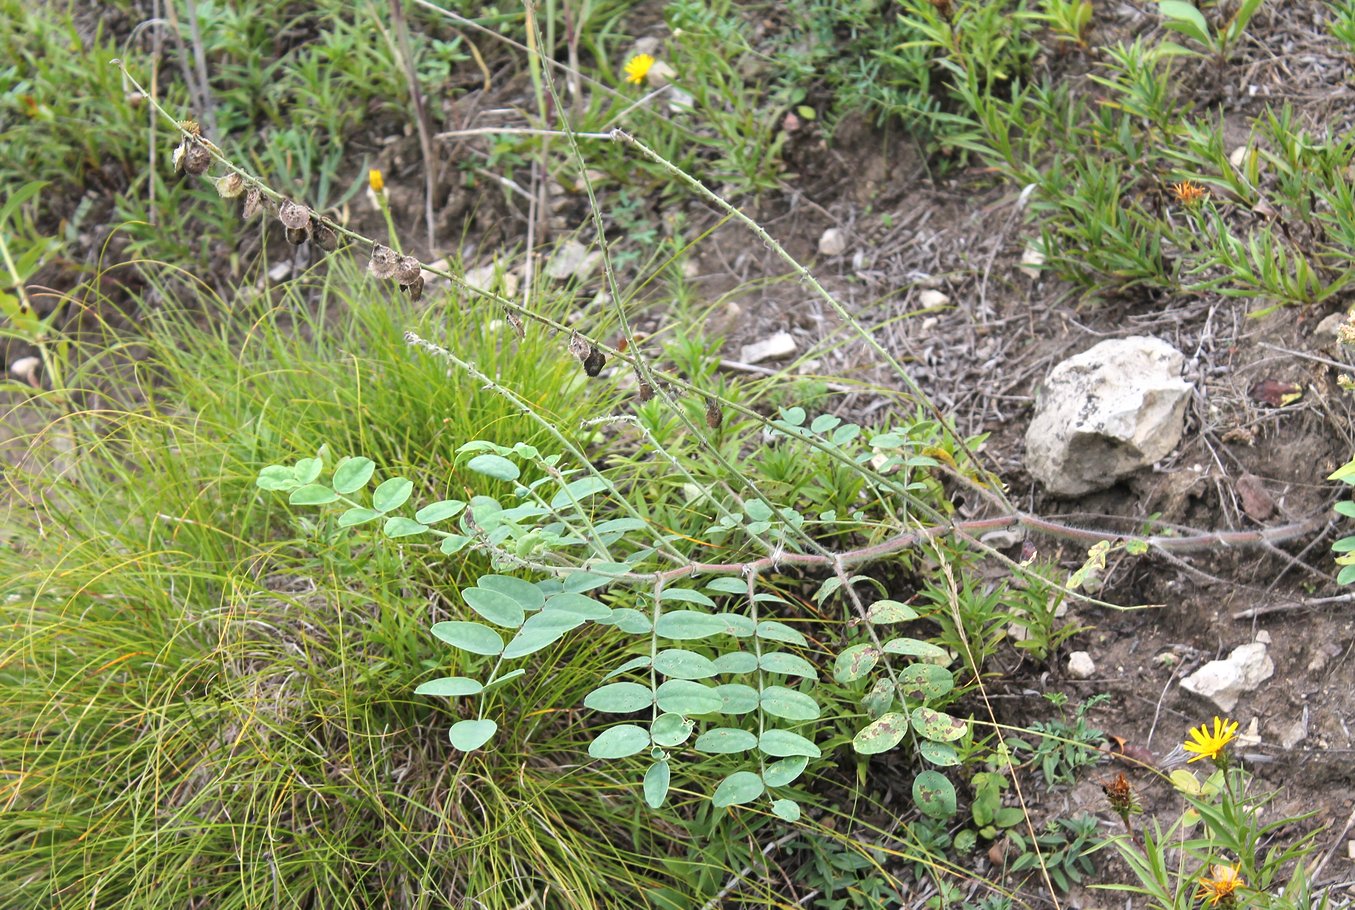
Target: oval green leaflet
point(495, 466)
point(451, 686)
point(619, 741)
point(784, 772)
point(938, 726)
point(738, 788)
point(855, 662)
point(528, 595)
point(789, 704)
point(924, 682)
point(656, 783)
point(620, 698)
point(882, 734)
point(888, 611)
point(683, 696)
point(469, 636)
point(911, 647)
point(312, 494)
point(352, 474)
point(670, 730)
point(469, 735)
point(783, 743)
point(680, 664)
point(788, 664)
point(391, 494)
point(725, 741)
point(500, 609)
point(737, 698)
point(934, 795)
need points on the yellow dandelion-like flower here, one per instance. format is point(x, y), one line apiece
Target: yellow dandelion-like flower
point(1210, 745)
point(1188, 193)
point(375, 180)
point(1222, 887)
point(638, 67)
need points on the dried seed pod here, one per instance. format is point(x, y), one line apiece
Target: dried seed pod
point(594, 362)
point(714, 416)
point(516, 323)
point(196, 158)
point(383, 261)
point(294, 216)
point(253, 203)
point(579, 346)
point(407, 269)
point(414, 288)
point(296, 236)
point(645, 392)
point(324, 235)
point(230, 186)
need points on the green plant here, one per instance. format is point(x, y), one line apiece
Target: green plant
point(1060, 850)
point(23, 250)
point(1185, 18)
point(1220, 849)
point(1345, 546)
point(1069, 20)
point(1062, 748)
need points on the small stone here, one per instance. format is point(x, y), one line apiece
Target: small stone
point(1256, 500)
point(930, 298)
point(1326, 330)
point(773, 348)
point(572, 260)
point(1081, 665)
point(1004, 539)
point(25, 368)
point(280, 272)
point(1295, 733)
point(1238, 156)
point(1223, 682)
point(1031, 261)
point(1106, 413)
point(833, 242)
point(659, 75)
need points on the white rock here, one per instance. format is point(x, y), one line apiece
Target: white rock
point(1296, 732)
point(1106, 413)
point(833, 242)
point(1081, 665)
point(572, 259)
point(280, 272)
point(777, 346)
point(930, 298)
point(1031, 261)
point(25, 368)
point(1225, 681)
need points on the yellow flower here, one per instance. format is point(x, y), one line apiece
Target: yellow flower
point(1189, 193)
point(1210, 745)
point(1220, 888)
point(375, 180)
point(638, 67)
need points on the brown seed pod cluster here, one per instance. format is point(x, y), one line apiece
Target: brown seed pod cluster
point(296, 219)
point(593, 360)
point(406, 270)
point(191, 156)
point(714, 416)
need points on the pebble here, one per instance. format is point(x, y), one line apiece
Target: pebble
point(1081, 665)
point(773, 348)
point(833, 242)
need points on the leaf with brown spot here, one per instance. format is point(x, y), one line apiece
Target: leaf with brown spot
point(1275, 392)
